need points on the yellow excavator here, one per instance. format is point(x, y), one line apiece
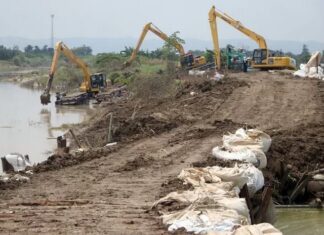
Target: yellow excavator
point(187, 60)
point(91, 84)
point(262, 58)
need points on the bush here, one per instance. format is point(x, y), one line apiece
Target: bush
point(148, 87)
point(68, 78)
point(108, 62)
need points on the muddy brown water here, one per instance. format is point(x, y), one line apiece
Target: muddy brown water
point(28, 127)
point(300, 221)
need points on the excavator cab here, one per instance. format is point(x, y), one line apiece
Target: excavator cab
point(190, 61)
point(267, 59)
point(98, 81)
point(259, 55)
point(187, 60)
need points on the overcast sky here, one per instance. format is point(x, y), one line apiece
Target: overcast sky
point(297, 20)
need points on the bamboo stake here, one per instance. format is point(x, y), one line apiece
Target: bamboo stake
point(109, 137)
point(75, 138)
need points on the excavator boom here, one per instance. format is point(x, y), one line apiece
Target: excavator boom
point(262, 57)
point(212, 15)
point(160, 34)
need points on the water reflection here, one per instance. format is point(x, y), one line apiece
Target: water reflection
point(30, 128)
point(300, 221)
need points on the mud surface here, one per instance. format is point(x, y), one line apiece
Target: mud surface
point(111, 192)
point(301, 147)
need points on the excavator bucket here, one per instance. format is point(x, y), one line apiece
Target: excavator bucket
point(45, 98)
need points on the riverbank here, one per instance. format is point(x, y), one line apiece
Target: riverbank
point(110, 190)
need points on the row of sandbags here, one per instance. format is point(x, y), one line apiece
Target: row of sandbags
point(213, 206)
point(248, 146)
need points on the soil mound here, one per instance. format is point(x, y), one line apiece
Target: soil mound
point(140, 127)
point(173, 185)
point(58, 161)
point(301, 147)
point(138, 162)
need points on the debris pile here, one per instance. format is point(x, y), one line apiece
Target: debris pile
point(10, 181)
point(312, 69)
point(213, 204)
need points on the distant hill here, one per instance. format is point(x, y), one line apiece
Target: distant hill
point(117, 44)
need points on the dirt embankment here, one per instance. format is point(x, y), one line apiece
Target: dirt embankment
point(111, 192)
point(134, 119)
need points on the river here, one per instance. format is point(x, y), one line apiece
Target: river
point(28, 127)
point(300, 221)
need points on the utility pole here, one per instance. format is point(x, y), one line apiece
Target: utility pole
point(52, 31)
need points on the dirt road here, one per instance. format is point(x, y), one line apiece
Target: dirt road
point(112, 193)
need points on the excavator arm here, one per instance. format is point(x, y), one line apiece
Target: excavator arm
point(62, 48)
point(262, 57)
point(160, 34)
point(213, 14)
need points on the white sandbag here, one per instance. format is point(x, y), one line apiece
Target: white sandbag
point(202, 221)
point(258, 229)
point(197, 176)
point(201, 177)
point(237, 204)
point(255, 178)
point(314, 61)
point(18, 161)
point(212, 192)
point(229, 174)
point(319, 177)
point(197, 73)
point(300, 73)
point(239, 174)
point(312, 69)
point(254, 156)
point(251, 139)
point(244, 155)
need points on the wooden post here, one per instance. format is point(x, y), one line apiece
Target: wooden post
point(61, 142)
point(299, 187)
point(75, 138)
point(266, 198)
point(245, 194)
point(87, 141)
point(109, 137)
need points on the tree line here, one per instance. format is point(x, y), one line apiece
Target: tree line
point(167, 51)
point(7, 53)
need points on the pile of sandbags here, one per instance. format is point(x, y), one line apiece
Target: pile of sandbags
point(312, 69)
point(214, 203)
point(247, 146)
point(213, 206)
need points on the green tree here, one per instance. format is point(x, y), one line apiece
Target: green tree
point(209, 55)
point(29, 49)
point(305, 55)
point(82, 51)
point(156, 54)
point(169, 51)
point(127, 51)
